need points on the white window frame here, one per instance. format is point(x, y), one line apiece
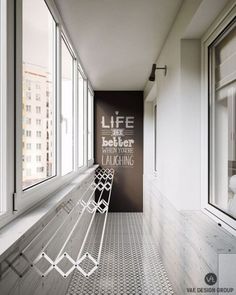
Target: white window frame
point(90, 161)
point(7, 108)
point(227, 15)
point(31, 196)
point(74, 102)
point(3, 106)
point(84, 167)
point(155, 138)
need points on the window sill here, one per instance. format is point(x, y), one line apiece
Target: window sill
point(26, 225)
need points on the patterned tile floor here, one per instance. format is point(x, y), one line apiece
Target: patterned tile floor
point(130, 263)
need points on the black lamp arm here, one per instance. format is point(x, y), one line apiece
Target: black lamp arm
point(162, 68)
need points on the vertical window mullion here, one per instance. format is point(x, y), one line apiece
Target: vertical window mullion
point(92, 129)
point(67, 108)
point(86, 123)
point(58, 100)
point(75, 116)
point(90, 126)
point(155, 137)
point(18, 104)
point(3, 107)
point(81, 123)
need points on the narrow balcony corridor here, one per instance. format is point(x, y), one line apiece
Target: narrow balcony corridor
point(117, 147)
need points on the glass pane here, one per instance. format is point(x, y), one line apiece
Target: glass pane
point(67, 110)
point(38, 104)
point(223, 123)
point(81, 120)
point(90, 98)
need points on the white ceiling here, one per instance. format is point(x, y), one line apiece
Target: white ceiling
point(118, 40)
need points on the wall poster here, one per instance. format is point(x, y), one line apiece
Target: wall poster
point(119, 145)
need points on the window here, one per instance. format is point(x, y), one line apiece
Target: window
point(39, 133)
point(90, 125)
point(28, 108)
point(222, 128)
point(38, 158)
point(155, 137)
point(37, 96)
point(67, 68)
point(38, 48)
point(28, 133)
point(81, 120)
point(38, 110)
point(38, 121)
point(31, 107)
point(27, 84)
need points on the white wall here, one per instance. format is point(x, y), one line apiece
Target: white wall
point(190, 115)
point(178, 112)
point(148, 139)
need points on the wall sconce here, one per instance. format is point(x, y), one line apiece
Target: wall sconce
point(152, 76)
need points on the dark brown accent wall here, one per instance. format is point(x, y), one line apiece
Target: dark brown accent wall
point(119, 145)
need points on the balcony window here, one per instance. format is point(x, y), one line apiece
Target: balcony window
point(38, 54)
point(222, 129)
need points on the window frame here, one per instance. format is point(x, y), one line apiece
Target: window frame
point(155, 137)
point(211, 35)
point(211, 129)
point(90, 161)
point(74, 98)
point(84, 166)
point(24, 199)
point(3, 107)
point(22, 194)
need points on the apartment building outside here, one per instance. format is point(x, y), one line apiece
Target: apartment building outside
point(37, 129)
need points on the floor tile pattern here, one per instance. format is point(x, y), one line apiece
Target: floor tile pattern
point(130, 263)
